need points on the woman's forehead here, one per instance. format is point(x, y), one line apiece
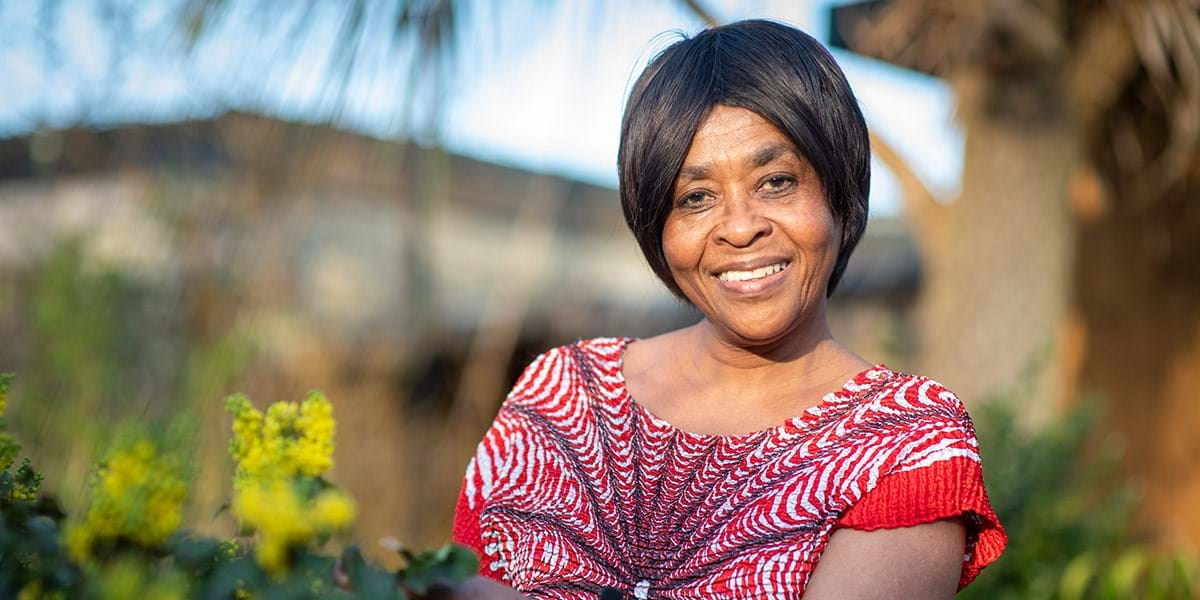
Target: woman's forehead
point(739, 136)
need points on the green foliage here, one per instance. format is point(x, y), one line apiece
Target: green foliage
point(32, 556)
point(79, 377)
point(127, 543)
point(1069, 515)
point(427, 571)
point(76, 308)
point(427, 574)
point(90, 364)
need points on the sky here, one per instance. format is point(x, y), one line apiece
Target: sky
point(540, 85)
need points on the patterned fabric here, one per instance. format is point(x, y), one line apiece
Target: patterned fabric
point(576, 488)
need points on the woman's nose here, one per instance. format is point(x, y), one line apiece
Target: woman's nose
point(742, 223)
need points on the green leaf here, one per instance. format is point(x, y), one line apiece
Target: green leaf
point(9, 448)
point(195, 552)
point(42, 534)
point(230, 576)
point(1187, 569)
point(366, 580)
point(5, 380)
point(1124, 575)
point(1076, 577)
point(447, 566)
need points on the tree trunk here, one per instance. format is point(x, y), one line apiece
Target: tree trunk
point(997, 260)
point(1138, 299)
point(1037, 262)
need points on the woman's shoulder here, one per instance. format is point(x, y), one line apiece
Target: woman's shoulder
point(902, 391)
point(918, 417)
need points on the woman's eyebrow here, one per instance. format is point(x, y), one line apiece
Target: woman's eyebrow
point(763, 156)
point(692, 173)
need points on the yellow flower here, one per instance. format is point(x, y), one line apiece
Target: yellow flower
point(247, 427)
point(137, 495)
point(333, 510)
point(24, 493)
point(275, 511)
point(31, 591)
point(314, 449)
point(78, 540)
point(34, 591)
point(130, 578)
point(284, 519)
point(164, 512)
point(288, 440)
point(25, 483)
point(280, 425)
point(274, 450)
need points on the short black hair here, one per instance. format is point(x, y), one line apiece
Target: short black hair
point(774, 70)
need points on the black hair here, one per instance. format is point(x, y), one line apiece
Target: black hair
point(776, 71)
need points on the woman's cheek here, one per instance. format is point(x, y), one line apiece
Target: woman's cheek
point(683, 247)
point(680, 246)
point(818, 231)
point(828, 241)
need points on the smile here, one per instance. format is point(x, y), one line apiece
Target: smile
point(752, 281)
point(758, 273)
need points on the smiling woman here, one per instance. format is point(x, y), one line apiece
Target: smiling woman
point(749, 235)
point(751, 455)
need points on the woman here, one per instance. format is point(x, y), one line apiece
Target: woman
point(751, 455)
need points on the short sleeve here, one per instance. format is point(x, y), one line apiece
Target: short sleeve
point(467, 531)
point(938, 475)
point(466, 522)
point(487, 474)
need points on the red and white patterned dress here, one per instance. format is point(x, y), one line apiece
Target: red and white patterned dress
point(576, 487)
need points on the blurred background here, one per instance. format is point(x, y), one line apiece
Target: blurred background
point(402, 202)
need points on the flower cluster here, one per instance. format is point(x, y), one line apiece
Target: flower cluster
point(130, 577)
point(286, 519)
point(25, 483)
point(128, 542)
point(279, 494)
point(288, 440)
point(137, 496)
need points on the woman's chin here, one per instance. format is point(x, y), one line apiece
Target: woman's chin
point(754, 332)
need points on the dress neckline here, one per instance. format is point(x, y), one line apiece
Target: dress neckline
point(849, 391)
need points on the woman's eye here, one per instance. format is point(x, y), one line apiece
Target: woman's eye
point(778, 183)
point(691, 200)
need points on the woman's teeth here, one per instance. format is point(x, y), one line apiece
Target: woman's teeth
point(758, 273)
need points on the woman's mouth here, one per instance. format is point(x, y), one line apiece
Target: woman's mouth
point(754, 280)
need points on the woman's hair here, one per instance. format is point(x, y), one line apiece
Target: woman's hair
point(776, 71)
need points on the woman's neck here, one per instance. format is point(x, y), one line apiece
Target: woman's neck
point(808, 351)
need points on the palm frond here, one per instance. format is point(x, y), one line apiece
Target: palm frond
point(1166, 36)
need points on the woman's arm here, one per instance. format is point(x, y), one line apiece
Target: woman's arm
point(924, 561)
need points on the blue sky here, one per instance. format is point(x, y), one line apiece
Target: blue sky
point(542, 84)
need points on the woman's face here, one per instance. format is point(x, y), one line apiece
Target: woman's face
point(750, 238)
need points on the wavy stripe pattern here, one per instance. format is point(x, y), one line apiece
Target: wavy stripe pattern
point(579, 488)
